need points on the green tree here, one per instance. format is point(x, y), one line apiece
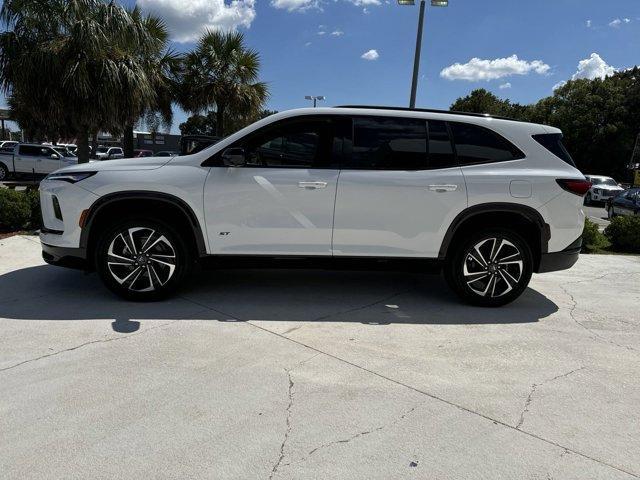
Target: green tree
point(206, 124)
point(222, 74)
point(69, 67)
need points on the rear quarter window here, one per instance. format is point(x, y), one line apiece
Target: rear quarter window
point(475, 144)
point(553, 143)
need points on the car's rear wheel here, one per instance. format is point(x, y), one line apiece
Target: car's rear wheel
point(4, 172)
point(142, 259)
point(491, 268)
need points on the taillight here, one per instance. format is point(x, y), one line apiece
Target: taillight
point(577, 187)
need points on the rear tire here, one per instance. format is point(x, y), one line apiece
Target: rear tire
point(142, 260)
point(491, 268)
point(4, 172)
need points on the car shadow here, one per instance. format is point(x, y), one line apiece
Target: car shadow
point(373, 298)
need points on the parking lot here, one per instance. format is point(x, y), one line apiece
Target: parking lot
point(316, 374)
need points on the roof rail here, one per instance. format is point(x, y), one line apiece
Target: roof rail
point(428, 110)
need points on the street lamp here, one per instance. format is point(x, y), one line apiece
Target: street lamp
point(315, 98)
point(416, 60)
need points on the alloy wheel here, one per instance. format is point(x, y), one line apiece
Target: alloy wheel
point(493, 267)
point(141, 259)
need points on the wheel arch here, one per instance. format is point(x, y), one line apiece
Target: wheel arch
point(108, 207)
point(521, 218)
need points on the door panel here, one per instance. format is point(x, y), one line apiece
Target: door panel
point(44, 162)
point(270, 210)
point(396, 213)
point(281, 201)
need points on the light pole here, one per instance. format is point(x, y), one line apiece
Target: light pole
point(315, 98)
point(416, 59)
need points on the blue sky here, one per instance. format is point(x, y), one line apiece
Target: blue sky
point(549, 37)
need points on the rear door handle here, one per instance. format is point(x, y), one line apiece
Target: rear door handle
point(443, 188)
point(312, 185)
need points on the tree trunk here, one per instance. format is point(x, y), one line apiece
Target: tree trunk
point(83, 146)
point(127, 141)
point(94, 144)
point(220, 120)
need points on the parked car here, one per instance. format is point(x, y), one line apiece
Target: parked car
point(8, 144)
point(108, 153)
point(602, 189)
point(32, 158)
point(142, 153)
point(191, 144)
point(166, 153)
point(64, 151)
point(487, 200)
point(625, 203)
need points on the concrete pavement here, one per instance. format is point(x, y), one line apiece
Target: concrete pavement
point(315, 374)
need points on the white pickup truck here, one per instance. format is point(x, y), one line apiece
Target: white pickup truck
point(31, 158)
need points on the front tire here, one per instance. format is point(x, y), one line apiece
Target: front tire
point(142, 259)
point(491, 268)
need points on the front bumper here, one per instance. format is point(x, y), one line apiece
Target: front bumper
point(65, 256)
point(552, 262)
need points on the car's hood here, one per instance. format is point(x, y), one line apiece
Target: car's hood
point(607, 187)
point(146, 163)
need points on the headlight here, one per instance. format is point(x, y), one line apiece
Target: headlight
point(71, 177)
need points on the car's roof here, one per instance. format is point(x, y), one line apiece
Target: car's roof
point(475, 118)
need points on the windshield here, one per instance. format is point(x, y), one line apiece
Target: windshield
point(604, 181)
point(101, 149)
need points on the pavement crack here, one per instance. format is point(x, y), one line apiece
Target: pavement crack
point(363, 433)
point(592, 334)
point(92, 342)
point(363, 307)
point(287, 432)
point(534, 387)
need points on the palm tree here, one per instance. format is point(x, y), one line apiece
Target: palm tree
point(75, 64)
point(223, 73)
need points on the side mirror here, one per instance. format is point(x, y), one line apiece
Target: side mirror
point(55, 156)
point(234, 157)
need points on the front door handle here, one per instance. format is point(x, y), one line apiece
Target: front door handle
point(312, 185)
point(443, 188)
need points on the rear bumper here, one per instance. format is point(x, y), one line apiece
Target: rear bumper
point(65, 256)
point(552, 262)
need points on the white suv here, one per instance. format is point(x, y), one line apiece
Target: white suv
point(488, 200)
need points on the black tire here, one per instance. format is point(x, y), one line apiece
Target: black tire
point(4, 172)
point(470, 272)
point(142, 260)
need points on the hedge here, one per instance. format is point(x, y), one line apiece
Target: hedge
point(19, 209)
point(624, 233)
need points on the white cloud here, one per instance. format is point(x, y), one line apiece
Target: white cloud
point(370, 55)
point(615, 23)
point(188, 19)
point(364, 3)
point(504, 86)
point(558, 85)
point(307, 44)
point(478, 69)
point(589, 23)
point(295, 5)
point(593, 67)
point(337, 33)
point(321, 32)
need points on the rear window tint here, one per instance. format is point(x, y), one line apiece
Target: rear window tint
point(553, 143)
point(475, 144)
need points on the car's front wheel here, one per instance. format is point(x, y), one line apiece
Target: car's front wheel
point(142, 259)
point(490, 268)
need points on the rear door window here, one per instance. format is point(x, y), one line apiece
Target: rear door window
point(387, 143)
point(441, 154)
point(29, 150)
point(476, 144)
